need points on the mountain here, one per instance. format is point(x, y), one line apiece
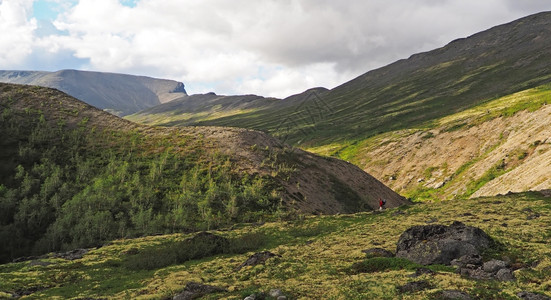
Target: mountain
point(117, 93)
point(426, 86)
point(498, 147)
point(396, 122)
point(75, 176)
point(202, 108)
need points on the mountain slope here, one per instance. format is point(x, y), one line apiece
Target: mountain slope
point(427, 86)
point(118, 93)
point(75, 176)
point(497, 147)
point(201, 109)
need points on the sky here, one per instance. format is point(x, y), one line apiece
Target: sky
point(266, 47)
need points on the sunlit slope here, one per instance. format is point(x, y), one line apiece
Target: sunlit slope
point(315, 258)
point(493, 148)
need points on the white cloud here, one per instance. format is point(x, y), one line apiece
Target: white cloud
point(268, 47)
point(16, 32)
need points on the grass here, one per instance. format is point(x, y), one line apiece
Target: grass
point(321, 258)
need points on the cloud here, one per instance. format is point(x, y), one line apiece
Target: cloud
point(268, 47)
point(16, 29)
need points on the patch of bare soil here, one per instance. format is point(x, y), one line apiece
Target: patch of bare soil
point(450, 161)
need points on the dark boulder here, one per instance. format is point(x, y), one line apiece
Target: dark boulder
point(440, 244)
point(257, 258)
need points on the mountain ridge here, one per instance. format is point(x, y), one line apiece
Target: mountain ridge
point(120, 94)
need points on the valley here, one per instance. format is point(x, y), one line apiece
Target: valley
point(115, 186)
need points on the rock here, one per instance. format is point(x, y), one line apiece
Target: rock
point(414, 286)
point(257, 258)
point(505, 275)
point(463, 261)
point(477, 273)
point(250, 297)
point(533, 216)
point(440, 244)
point(275, 293)
point(494, 265)
point(72, 255)
point(194, 290)
point(453, 295)
point(532, 296)
point(377, 252)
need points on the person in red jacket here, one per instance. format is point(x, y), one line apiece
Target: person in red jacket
point(382, 204)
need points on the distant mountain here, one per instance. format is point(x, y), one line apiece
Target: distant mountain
point(469, 119)
point(200, 109)
point(73, 176)
point(117, 93)
point(466, 72)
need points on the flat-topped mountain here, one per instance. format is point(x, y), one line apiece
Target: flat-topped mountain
point(120, 94)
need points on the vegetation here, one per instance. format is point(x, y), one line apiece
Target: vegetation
point(321, 258)
point(66, 183)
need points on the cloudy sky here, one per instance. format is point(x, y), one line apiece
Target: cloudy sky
point(266, 47)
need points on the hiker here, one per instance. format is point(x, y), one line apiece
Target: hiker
point(382, 204)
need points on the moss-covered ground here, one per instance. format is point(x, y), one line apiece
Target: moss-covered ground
point(316, 258)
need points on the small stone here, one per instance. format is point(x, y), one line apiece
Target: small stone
point(250, 297)
point(275, 293)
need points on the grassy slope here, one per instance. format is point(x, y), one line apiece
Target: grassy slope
point(74, 176)
point(393, 153)
point(316, 254)
point(427, 86)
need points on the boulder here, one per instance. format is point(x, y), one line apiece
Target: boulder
point(494, 265)
point(505, 275)
point(257, 258)
point(440, 244)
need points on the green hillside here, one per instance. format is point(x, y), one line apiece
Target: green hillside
point(414, 91)
point(74, 176)
point(319, 257)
